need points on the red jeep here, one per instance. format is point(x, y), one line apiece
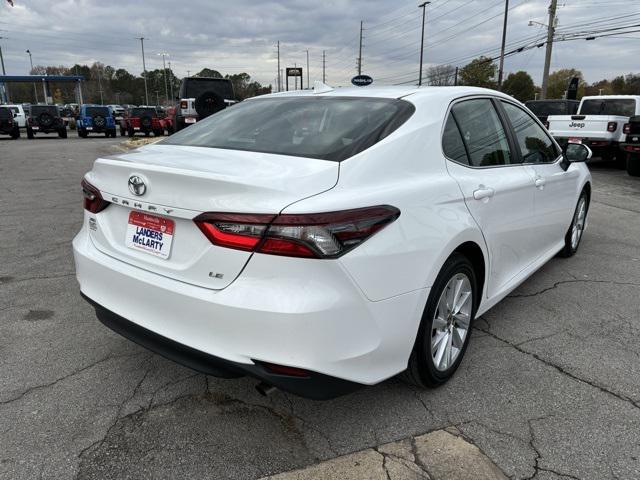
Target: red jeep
point(142, 120)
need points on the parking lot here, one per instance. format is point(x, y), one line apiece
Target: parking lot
point(549, 389)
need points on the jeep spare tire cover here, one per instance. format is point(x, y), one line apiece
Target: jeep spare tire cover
point(45, 119)
point(209, 103)
point(99, 121)
point(146, 122)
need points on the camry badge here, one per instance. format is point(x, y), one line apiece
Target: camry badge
point(137, 185)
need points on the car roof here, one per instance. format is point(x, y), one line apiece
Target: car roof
point(605, 97)
point(413, 91)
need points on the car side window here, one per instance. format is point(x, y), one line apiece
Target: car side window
point(452, 143)
point(535, 145)
point(482, 133)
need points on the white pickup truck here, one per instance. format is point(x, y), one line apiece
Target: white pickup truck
point(601, 123)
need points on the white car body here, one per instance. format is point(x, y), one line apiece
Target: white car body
point(354, 318)
point(593, 129)
point(20, 116)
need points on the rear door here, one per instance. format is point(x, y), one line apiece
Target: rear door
point(497, 189)
point(181, 182)
point(555, 188)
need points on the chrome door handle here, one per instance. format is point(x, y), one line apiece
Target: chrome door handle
point(483, 193)
point(540, 182)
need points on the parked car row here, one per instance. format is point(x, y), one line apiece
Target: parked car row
point(608, 124)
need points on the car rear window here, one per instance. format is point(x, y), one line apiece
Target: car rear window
point(327, 128)
point(39, 109)
point(547, 108)
point(624, 107)
point(92, 111)
point(142, 112)
point(5, 113)
point(194, 87)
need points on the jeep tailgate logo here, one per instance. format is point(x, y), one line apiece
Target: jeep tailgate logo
point(576, 125)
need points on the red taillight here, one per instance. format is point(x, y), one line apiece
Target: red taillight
point(184, 104)
point(612, 126)
point(317, 235)
point(627, 128)
point(284, 370)
point(93, 201)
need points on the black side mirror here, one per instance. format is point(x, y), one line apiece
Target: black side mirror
point(575, 152)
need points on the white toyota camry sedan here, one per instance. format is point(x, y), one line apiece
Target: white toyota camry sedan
point(328, 239)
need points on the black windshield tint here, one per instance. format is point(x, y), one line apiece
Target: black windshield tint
point(93, 111)
point(613, 106)
point(328, 128)
point(143, 112)
point(38, 109)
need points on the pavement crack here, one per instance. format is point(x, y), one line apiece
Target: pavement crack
point(564, 282)
point(65, 377)
point(563, 371)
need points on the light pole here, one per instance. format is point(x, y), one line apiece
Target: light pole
point(144, 72)
point(424, 13)
point(164, 70)
point(504, 39)
point(6, 89)
point(35, 90)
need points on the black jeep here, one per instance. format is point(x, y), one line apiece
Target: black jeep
point(45, 119)
point(631, 146)
point(543, 108)
point(201, 97)
point(8, 125)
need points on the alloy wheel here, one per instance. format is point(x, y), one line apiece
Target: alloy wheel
point(578, 223)
point(451, 321)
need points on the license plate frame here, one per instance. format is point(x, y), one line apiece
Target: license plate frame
point(575, 140)
point(189, 120)
point(150, 234)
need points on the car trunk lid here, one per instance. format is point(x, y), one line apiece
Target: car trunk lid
point(180, 183)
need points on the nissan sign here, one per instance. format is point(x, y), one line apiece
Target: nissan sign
point(362, 80)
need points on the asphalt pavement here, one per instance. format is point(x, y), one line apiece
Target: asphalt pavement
point(549, 388)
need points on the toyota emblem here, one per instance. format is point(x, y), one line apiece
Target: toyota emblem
point(137, 185)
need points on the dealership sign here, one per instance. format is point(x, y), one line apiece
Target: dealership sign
point(362, 80)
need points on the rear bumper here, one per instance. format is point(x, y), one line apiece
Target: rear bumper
point(273, 312)
point(593, 143)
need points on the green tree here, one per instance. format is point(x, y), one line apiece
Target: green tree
point(480, 72)
point(519, 85)
point(559, 82)
point(208, 72)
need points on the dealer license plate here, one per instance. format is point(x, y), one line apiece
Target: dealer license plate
point(575, 140)
point(150, 234)
point(189, 120)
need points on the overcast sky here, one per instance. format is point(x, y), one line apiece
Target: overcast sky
point(241, 35)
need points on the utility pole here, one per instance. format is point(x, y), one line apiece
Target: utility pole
point(35, 90)
point(279, 78)
point(144, 73)
point(4, 72)
point(324, 58)
point(551, 30)
point(308, 84)
point(455, 79)
point(171, 81)
point(360, 52)
point(164, 70)
point(424, 13)
point(504, 39)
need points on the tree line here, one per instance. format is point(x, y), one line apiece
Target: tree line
point(482, 72)
point(107, 85)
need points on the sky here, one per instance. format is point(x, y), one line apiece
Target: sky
point(241, 35)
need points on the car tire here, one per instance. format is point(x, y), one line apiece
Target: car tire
point(114, 134)
point(107, 134)
point(147, 133)
point(16, 133)
point(30, 133)
point(576, 229)
point(130, 132)
point(122, 132)
point(158, 133)
point(633, 165)
point(435, 356)
point(62, 133)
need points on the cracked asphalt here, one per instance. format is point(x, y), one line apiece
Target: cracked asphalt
point(549, 388)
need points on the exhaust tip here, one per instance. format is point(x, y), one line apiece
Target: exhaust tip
point(265, 389)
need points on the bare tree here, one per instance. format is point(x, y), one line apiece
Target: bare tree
point(441, 75)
